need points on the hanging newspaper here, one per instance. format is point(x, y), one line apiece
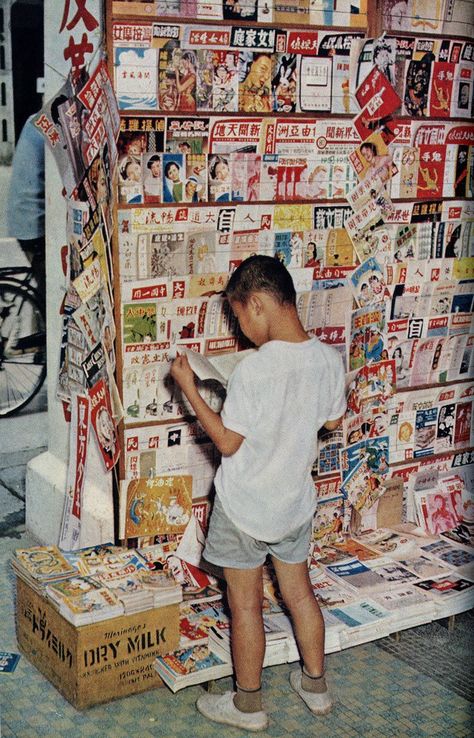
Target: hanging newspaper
point(70, 532)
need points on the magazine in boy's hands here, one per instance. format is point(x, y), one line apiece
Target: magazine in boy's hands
point(219, 368)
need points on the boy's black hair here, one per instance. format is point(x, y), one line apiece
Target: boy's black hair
point(261, 274)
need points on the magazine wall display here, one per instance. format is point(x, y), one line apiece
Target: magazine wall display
point(247, 129)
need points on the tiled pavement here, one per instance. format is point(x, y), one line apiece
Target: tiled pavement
point(419, 686)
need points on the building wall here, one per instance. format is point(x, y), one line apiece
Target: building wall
point(7, 127)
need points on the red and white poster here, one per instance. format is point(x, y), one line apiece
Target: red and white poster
point(69, 536)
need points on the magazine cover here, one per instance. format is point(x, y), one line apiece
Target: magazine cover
point(368, 283)
point(425, 432)
point(103, 423)
point(367, 338)
point(158, 505)
point(225, 81)
point(136, 77)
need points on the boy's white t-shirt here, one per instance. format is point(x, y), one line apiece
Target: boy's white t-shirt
point(277, 398)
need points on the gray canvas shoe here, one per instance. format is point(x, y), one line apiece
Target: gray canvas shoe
point(319, 703)
point(221, 709)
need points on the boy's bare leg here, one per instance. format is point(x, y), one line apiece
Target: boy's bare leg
point(243, 709)
point(308, 623)
point(245, 596)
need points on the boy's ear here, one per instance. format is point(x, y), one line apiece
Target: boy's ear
point(256, 303)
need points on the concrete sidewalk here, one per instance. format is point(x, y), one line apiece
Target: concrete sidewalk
point(23, 437)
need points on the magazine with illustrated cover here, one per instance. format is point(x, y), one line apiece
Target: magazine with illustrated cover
point(366, 336)
point(43, 563)
point(189, 666)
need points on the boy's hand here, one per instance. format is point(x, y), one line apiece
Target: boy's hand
point(182, 373)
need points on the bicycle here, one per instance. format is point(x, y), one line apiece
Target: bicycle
point(22, 339)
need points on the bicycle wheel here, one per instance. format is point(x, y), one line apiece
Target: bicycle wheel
point(22, 346)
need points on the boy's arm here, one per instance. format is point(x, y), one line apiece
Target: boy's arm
point(333, 424)
point(226, 440)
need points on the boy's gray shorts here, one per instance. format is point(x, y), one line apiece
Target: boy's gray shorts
point(228, 546)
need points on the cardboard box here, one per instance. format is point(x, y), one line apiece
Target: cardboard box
point(98, 662)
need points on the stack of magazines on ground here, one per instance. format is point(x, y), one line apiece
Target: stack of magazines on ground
point(98, 582)
point(41, 565)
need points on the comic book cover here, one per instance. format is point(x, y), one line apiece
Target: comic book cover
point(339, 250)
point(371, 422)
point(204, 75)
point(147, 392)
point(174, 177)
point(378, 100)
point(441, 96)
point(219, 178)
point(209, 252)
point(374, 451)
point(284, 83)
point(177, 77)
point(375, 384)
point(445, 427)
point(328, 487)
point(425, 432)
point(417, 88)
point(136, 77)
point(422, 362)
point(104, 426)
point(329, 446)
point(188, 136)
point(402, 436)
point(140, 134)
point(130, 179)
point(255, 82)
point(225, 81)
point(94, 365)
point(367, 231)
point(152, 170)
point(245, 177)
point(288, 248)
point(157, 505)
point(373, 157)
point(361, 487)
point(225, 136)
point(157, 450)
point(162, 255)
point(293, 179)
point(326, 314)
point(433, 168)
point(328, 520)
point(366, 339)
point(315, 88)
point(96, 320)
point(140, 323)
point(463, 423)
point(368, 283)
point(70, 529)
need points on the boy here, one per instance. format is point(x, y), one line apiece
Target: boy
point(277, 399)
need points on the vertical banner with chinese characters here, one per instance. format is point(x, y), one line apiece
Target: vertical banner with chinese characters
point(69, 537)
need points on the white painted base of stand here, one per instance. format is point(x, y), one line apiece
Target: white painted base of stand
point(45, 490)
